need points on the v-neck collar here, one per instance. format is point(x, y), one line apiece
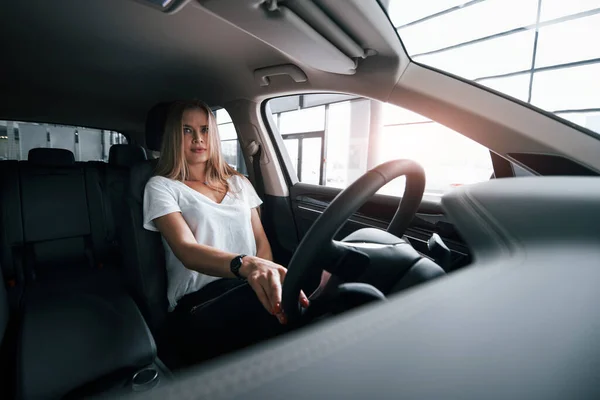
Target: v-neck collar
point(205, 196)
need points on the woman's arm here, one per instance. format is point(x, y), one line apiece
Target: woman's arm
point(263, 248)
point(198, 257)
point(264, 276)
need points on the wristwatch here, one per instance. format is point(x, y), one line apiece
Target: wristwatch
point(236, 264)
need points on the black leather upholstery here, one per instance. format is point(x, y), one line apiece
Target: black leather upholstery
point(6, 348)
point(126, 155)
point(46, 156)
point(4, 311)
point(394, 264)
point(11, 234)
point(78, 321)
point(56, 224)
point(69, 339)
point(114, 178)
point(144, 258)
point(100, 214)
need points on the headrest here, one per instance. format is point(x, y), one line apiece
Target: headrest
point(46, 156)
point(155, 125)
point(126, 155)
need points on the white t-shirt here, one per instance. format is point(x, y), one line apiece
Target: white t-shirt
point(226, 226)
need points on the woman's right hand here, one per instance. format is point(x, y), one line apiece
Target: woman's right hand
point(266, 279)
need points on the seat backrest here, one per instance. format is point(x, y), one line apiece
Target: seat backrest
point(11, 234)
point(55, 215)
point(126, 155)
point(144, 261)
point(143, 257)
point(6, 345)
point(62, 217)
point(122, 157)
point(112, 189)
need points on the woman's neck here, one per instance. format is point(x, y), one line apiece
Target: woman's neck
point(198, 172)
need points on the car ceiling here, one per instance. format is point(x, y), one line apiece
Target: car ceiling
point(100, 62)
point(104, 63)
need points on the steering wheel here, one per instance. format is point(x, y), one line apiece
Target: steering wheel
point(318, 251)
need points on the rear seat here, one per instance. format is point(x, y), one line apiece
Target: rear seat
point(120, 160)
point(76, 322)
point(57, 223)
point(109, 182)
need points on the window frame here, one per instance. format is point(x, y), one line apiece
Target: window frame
point(106, 142)
point(241, 160)
point(308, 135)
point(498, 162)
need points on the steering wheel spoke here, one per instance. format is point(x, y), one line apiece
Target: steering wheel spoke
point(349, 263)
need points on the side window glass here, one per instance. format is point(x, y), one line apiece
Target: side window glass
point(230, 146)
point(334, 139)
point(17, 138)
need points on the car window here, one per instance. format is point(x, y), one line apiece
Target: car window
point(17, 138)
point(334, 139)
point(230, 146)
point(538, 51)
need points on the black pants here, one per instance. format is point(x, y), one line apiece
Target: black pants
point(223, 316)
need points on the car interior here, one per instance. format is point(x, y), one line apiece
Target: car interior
point(425, 286)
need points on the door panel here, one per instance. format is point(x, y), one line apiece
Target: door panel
point(309, 201)
point(278, 221)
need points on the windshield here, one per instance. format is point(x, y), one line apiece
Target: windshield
point(543, 52)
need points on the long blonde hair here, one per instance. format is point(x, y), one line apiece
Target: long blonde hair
point(172, 163)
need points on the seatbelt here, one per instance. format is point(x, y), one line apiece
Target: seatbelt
point(255, 151)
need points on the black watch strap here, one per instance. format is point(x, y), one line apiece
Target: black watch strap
point(236, 264)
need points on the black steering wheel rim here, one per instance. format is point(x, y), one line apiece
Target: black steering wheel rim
point(317, 249)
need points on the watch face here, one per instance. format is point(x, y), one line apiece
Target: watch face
point(236, 264)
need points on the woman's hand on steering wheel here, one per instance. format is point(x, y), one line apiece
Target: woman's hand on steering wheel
point(266, 279)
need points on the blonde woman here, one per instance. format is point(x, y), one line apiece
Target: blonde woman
point(224, 289)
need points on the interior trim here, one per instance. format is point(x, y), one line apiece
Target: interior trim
point(503, 126)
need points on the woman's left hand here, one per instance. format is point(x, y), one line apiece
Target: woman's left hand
point(266, 279)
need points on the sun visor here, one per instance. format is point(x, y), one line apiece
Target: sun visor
point(299, 29)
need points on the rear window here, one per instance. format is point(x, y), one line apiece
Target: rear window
point(17, 138)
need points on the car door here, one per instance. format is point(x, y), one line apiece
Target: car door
point(326, 141)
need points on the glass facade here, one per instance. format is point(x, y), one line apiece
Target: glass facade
point(333, 139)
point(539, 51)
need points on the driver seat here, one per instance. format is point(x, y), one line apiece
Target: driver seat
point(143, 261)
